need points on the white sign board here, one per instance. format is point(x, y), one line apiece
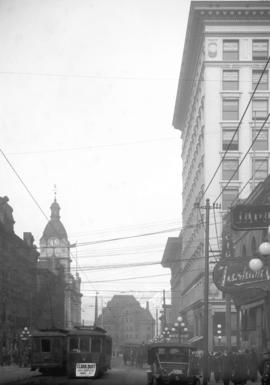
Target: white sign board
point(85, 369)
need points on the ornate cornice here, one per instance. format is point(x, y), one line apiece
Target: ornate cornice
point(202, 13)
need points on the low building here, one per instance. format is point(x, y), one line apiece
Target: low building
point(127, 322)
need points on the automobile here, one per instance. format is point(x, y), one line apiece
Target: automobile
point(173, 363)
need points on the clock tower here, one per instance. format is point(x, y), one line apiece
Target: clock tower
point(55, 255)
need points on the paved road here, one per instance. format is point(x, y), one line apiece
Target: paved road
point(116, 376)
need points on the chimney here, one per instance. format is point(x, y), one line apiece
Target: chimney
point(28, 239)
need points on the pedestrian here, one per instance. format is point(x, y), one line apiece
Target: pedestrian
point(226, 368)
point(125, 357)
point(239, 368)
point(217, 367)
point(132, 357)
point(253, 365)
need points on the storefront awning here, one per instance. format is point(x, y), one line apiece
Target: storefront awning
point(195, 339)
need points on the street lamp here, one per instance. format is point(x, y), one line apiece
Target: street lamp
point(256, 263)
point(25, 334)
point(180, 325)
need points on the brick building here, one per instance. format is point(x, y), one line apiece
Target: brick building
point(127, 322)
point(18, 266)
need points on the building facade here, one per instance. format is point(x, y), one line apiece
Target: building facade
point(127, 322)
point(18, 266)
point(226, 49)
point(55, 256)
point(251, 293)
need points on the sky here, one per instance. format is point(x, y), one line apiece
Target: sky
point(87, 93)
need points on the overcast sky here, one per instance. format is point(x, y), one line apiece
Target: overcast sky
point(87, 93)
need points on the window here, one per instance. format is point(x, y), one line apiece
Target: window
point(260, 169)
point(259, 109)
point(228, 169)
point(261, 143)
point(74, 344)
point(56, 342)
point(253, 246)
point(230, 80)
point(230, 50)
point(96, 345)
point(45, 345)
point(259, 49)
point(229, 195)
point(84, 344)
point(229, 144)
point(230, 109)
point(36, 344)
point(263, 85)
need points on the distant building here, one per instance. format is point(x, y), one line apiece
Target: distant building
point(127, 322)
point(18, 265)
point(226, 49)
point(55, 257)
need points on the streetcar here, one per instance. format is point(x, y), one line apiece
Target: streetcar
point(89, 351)
point(49, 352)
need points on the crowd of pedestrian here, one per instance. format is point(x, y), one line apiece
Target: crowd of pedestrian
point(135, 357)
point(18, 355)
point(236, 367)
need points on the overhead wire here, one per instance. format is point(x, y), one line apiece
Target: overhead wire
point(236, 130)
point(244, 157)
point(247, 182)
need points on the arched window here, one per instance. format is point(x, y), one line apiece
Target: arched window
point(264, 235)
point(253, 246)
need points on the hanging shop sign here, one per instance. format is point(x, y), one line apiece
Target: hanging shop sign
point(233, 274)
point(250, 217)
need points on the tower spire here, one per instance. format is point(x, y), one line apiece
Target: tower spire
point(54, 191)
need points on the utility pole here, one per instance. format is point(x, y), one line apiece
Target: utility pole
point(156, 321)
point(164, 311)
point(206, 294)
point(96, 309)
point(206, 290)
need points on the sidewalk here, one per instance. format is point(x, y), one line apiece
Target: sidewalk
point(12, 373)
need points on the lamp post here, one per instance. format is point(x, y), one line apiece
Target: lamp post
point(166, 334)
point(180, 327)
point(25, 338)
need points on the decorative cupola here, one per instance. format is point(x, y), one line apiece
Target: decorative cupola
point(54, 228)
point(55, 210)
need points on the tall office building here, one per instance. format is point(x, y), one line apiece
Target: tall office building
point(226, 49)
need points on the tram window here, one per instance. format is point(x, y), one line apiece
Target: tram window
point(108, 347)
point(74, 344)
point(84, 344)
point(56, 343)
point(45, 345)
point(95, 345)
point(36, 345)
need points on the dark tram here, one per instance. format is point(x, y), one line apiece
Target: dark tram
point(79, 352)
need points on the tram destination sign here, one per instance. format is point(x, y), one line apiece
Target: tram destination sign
point(250, 217)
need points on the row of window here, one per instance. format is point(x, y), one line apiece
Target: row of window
point(230, 80)
point(230, 139)
point(230, 109)
point(230, 169)
point(260, 50)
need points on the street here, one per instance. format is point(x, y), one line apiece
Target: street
point(116, 376)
